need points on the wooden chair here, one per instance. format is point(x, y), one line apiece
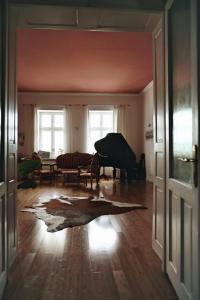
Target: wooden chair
point(91, 173)
point(41, 172)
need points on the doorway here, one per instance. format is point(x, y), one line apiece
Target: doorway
point(33, 22)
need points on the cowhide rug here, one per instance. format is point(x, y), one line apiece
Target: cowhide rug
point(64, 211)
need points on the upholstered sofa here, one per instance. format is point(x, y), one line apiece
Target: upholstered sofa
point(73, 160)
point(68, 164)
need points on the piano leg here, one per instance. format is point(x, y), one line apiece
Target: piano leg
point(129, 176)
point(114, 173)
point(123, 175)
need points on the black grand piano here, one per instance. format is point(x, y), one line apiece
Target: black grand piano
point(114, 151)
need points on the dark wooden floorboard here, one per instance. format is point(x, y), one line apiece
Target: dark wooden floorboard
point(111, 258)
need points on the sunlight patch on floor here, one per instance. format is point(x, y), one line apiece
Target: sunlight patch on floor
point(101, 235)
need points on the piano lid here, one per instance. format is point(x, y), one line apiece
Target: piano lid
point(115, 147)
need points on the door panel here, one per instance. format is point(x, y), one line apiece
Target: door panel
point(2, 233)
point(180, 241)
point(159, 216)
point(186, 225)
point(182, 134)
point(173, 234)
point(11, 224)
point(3, 195)
point(3, 243)
point(158, 238)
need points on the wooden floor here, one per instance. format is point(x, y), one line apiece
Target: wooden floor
point(109, 259)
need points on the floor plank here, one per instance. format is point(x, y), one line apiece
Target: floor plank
point(110, 258)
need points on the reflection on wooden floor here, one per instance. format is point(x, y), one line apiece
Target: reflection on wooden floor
point(108, 259)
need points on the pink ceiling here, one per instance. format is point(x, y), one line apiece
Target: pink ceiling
point(83, 61)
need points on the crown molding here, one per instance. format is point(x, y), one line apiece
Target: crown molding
point(79, 94)
point(148, 87)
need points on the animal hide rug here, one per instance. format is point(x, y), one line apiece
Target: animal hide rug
point(66, 211)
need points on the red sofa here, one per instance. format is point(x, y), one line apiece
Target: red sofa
point(68, 165)
point(73, 160)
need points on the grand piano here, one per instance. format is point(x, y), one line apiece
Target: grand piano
point(114, 151)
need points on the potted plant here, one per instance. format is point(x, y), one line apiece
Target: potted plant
point(25, 171)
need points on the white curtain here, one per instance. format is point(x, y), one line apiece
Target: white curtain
point(67, 131)
point(35, 136)
point(120, 120)
point(76, 117)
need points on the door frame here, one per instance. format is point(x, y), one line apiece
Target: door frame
point(17, 19)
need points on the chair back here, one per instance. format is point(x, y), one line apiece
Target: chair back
point(35, 156)
point(44, 154)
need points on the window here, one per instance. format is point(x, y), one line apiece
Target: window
point(100, 124)
point(51, 131)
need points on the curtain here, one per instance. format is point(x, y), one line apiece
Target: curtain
point(76, 117)
point(84, 129)
point(67, 131)
point(35, 136)
point(120, 120)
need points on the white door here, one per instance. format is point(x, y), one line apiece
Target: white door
point(182, 259)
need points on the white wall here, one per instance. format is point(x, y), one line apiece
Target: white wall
point(147, 97)
point(134, 117)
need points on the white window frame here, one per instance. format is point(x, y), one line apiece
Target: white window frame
point(100, 128)
point(50, 128)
